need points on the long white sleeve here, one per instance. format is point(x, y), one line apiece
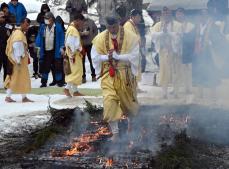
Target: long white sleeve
point(73, 43)
point(18, 51)
point(97, 59)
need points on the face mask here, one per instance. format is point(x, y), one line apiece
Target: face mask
point(46, 21)
point(85, 15)
point(113, 36)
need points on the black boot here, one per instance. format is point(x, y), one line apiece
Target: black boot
point(43, 83)
point(60, 84)
point(53, 83)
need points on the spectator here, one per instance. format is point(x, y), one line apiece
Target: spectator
point(9, 17)
point(87, 35)
point(50, 40)
point(31, 36)
point(105, 8)
point(75, 6)
point(40, 17)
point(60, 21)
point(18, 10)
point(4, 32)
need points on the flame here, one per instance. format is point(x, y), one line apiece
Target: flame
point(109, 162)
point(104, 131)
point(78, 148)
point(81, 145)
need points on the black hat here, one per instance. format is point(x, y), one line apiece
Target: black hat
point(135, 12)
point(111, 20)
point(4, 5)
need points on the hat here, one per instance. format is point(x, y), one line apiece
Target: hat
point(111, 20)
point(135, 12)
point(49, 15)
point(2, 14)
point(4, 5)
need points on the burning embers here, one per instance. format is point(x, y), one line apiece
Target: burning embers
point(85, 143)
point(109, 163)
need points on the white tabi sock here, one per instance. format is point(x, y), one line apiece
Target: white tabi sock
point(23, 96)
point(74, 88)
point(114, 127)
point(68, 86)
point(8, 92)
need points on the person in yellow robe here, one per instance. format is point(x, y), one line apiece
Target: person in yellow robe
point(188, 37)
point(73, 51)
point(115, 54)
point(166, 38)
point(18, 81)
point(131, 25)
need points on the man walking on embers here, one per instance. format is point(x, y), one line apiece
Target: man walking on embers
point(115, 54)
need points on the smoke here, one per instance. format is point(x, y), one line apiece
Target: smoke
point(80, 123)
point(156, 126)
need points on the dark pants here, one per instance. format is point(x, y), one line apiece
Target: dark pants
point(3, 63)
point(50, 63)
point(33, 54)
point(88, 52)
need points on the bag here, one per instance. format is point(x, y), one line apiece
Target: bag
point(9, 68)
point(67, 67)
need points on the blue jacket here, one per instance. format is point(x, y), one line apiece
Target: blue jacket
point(58, 37)
point(18, 11)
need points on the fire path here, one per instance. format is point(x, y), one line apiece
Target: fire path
point(87, 143)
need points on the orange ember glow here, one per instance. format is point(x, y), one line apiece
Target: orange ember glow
point(104, 131)
point(78, 148)
point(109, 162)
point(81, 145)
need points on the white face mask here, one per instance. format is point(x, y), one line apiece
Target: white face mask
point(113, 36)
point(47, 22)
point(85, 15)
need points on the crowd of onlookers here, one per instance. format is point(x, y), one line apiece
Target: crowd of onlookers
point(46, 36)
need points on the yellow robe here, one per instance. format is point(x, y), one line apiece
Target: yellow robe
point(170, 62)
point(119, 92)
point(19, 82)
point(77, 67)
point(133, 28)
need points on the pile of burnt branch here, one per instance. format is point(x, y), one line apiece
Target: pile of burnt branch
point(187, 153)
point(14, 145)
